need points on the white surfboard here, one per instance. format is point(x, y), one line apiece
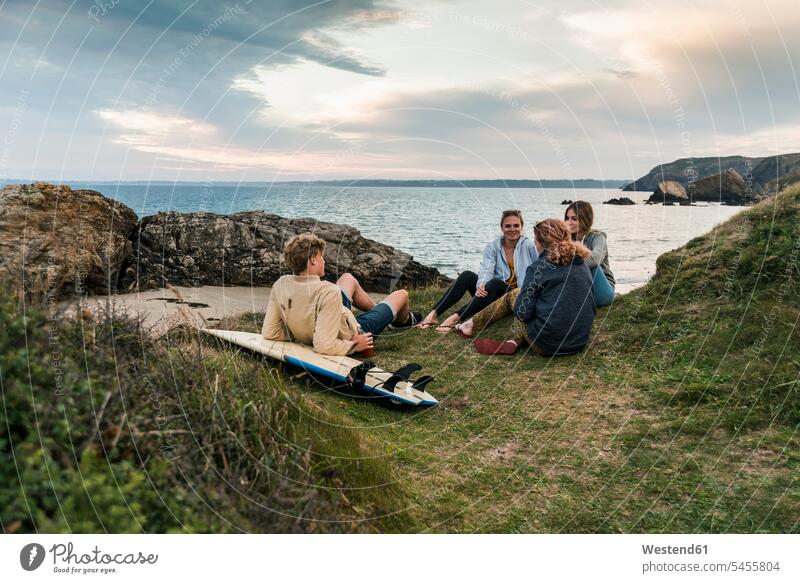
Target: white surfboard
point(334, 367)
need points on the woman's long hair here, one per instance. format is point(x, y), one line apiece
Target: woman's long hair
point(554, 236)
point(585, 213)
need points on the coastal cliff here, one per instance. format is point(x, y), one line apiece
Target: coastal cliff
point(761, 177)
point(684, 170)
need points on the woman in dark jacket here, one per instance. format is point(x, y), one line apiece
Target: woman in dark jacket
point(554, 309)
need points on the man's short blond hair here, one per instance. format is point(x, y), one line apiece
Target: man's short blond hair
point(299, 249)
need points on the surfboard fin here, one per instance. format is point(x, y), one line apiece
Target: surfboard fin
point(422, 382)
point(404, 372)
point(401, 374)
point(358, 374)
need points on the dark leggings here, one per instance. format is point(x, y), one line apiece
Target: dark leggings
point(467, 282)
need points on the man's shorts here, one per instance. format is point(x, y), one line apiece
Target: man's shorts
point(375, 320)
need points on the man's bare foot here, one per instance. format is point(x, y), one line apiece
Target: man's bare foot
point(448, 324)
point(430, 320)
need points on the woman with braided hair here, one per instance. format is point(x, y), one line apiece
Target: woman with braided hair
point(554, 308)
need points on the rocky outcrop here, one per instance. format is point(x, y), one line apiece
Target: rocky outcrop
point(669, 192)
point(623, 200)
point(55, 240)
point(686, 170)
point(566, 201)
point(758, 173)
point(245, 249)
point(728, 188)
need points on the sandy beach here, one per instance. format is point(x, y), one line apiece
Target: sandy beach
point(160, 308)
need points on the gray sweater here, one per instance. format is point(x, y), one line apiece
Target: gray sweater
point(596, 242)
point(556, 304)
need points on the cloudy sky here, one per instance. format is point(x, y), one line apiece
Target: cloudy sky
point(288, 90)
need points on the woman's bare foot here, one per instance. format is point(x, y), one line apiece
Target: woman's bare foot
point(448, 324)
point(430, 320)
point(465, 329)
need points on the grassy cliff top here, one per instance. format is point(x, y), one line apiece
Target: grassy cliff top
point(682, 416)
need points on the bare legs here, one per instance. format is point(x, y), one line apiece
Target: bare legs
point(352, 288)
point(398, 300)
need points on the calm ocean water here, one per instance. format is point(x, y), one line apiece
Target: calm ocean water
point(447, 227)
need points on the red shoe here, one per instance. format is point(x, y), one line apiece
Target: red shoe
point(487, 346)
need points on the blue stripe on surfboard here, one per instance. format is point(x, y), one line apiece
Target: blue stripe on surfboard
point(332, 375)
point(427, 402)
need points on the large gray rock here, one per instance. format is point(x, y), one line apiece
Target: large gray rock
point(728, 188)
point(245, 248)
point(669, 192)
point(56, 241)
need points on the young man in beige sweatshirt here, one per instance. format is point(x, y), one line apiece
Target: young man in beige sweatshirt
point(304, 308)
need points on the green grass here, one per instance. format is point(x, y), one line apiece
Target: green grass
point(682, 416)
point(105, 430)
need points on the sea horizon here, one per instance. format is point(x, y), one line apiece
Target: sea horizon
point(355, 182)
